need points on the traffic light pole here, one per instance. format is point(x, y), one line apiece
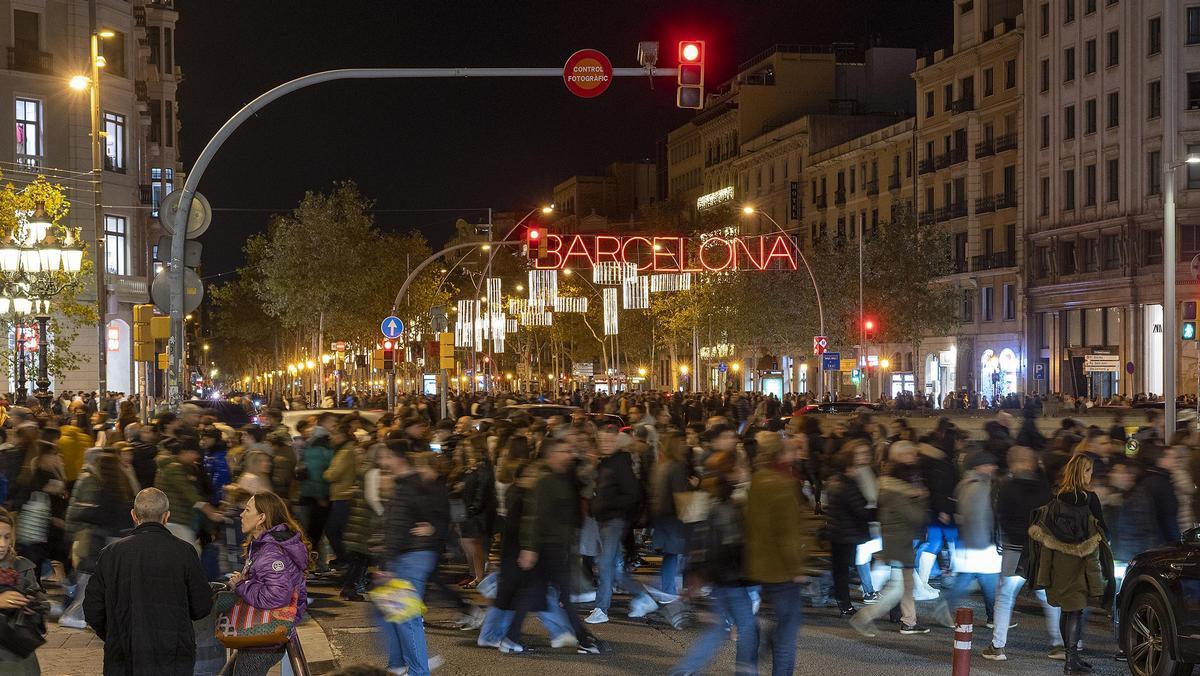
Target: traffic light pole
point(176, 266)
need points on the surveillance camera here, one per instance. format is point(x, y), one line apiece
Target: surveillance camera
point(647, 54)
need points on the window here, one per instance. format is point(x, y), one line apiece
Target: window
point(968, 311)
point(1089, 185)
point(168, 51)
point(1089, 116)
point(29, 132)
point(1010, 301)
point(1066, 261)
point(1042, 269)
point(1152, 247)
point(116, 254)
point(1154, 100)
point(114, 142)
point(1089, 57)
point(988, 84)
point(113, 49)
point(1193, 25)
point(1045, 190)
point(1111, 247)
point(1114, 49)
point(1114, 109)
point(948, 96)
point(852, 181)
point(1045, 77)
point(154, 37)
point(1091, 255)
point(1155, 40)
point(1010, 73)
point(908, 164)
point(1068, 11)
point(1068, 64)
point(1189, 240)
point(1044, 19)
point(1154, 172)
point(1193, 91)
point(1089, 6)
point(1193, 170)
point(1114, 179)
point(1069, 190)
point(26, 31)
point(156, 125)
point(929, 103)
point(162, 182)
point(169, 126)
point(1069, 122)
point(1045, 135)
point(985, 303)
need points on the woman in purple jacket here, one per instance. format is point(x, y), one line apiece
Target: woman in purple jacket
point(277, 556)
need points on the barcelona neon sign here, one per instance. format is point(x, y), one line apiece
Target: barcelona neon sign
point(664, 253)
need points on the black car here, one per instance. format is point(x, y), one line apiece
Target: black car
point(1159, 609)
point(841, 407)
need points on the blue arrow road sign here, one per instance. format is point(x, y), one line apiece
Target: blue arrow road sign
point(392, 327)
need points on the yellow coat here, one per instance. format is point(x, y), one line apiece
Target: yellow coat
point(71, 444)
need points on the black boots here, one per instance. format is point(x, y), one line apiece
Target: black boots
point(1070, 624)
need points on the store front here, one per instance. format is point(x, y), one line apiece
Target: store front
point(939, 374)
point(998, 373)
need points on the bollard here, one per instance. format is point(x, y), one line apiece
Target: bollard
point(962, 642)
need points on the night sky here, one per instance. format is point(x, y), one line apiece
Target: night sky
point(429, 150)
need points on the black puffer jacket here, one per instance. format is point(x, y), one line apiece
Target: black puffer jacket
point(846, 512)
point(940, 477)
point(617, 488)
point(410, 504)
point(1016, 499)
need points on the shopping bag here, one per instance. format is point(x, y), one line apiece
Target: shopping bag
point(397, 600)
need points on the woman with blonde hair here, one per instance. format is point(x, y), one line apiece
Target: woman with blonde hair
point(1068, 556)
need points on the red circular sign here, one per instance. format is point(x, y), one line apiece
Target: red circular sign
point(587, 73)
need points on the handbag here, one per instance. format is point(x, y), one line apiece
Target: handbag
point(692, 506)
point(241, 625)
point(33, 521)
point(397, 601)
point(22, 632)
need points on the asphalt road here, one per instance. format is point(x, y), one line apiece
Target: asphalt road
point(827, 645)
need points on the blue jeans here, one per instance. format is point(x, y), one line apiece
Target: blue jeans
point(864, 577)
point(608, 562)
point(987, 582)
point(936, 535)
point(733, 607)
point(784, 598)
point(671, 565)
point(496, 622)
point(406, 640)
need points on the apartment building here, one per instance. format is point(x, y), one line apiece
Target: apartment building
point(594, 203)
point(1095, 221)
point(48, 44)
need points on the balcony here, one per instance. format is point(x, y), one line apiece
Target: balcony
point(926, 218)
point(985, 148)
point(962, 105)
point(985, 205)
point(993, 261)
point(145, 194)
point(129, 289)
point(942, 161)
point(822, 202)
point(873, 187)
point(960, 265)
point(839, 196)
point(925, 166)
point(1006, 142)
point(1006, 200)
point(893, 182)
point(30, 61)
point(953, 211)
point(958, 155)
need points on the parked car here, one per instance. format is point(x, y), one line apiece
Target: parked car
point(1159, 609)
point(841, 407)
point(225, 412)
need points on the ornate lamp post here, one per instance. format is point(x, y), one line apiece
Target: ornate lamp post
point(34, 268)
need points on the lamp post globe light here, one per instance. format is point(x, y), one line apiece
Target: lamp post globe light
point(35, 267)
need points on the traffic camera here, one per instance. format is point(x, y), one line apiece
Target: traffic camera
point(690, 80)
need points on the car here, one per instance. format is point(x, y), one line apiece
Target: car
point(1159, 609)
point(841, 407)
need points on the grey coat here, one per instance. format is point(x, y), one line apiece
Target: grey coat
point(903, 512)
point(975, 518)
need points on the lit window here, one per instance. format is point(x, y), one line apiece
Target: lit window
point(114, 142)
point(116, 253)
point(29, 132)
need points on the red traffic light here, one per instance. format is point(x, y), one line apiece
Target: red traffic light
point(869, 324)
point(691, 51)
point(534, 234)
point(387, 344)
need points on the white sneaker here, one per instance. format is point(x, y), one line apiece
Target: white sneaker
point(584, 597)
point(923, 592)
point(509, 648)
point(73, 622)
point(436, 662)
point(564, 641)
point(597, 617)
point(483, 643)
point(642, 606)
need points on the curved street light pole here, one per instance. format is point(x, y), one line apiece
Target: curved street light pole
point(816, 291)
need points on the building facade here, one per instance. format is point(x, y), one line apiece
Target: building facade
point(49, 43)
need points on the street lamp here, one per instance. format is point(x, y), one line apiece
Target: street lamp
point(1169, 346)
point(749, 210)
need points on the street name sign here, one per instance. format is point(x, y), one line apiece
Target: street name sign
point(831, 361)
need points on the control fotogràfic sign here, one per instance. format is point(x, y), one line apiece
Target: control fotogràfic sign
point(666, 254)
point(587, 73)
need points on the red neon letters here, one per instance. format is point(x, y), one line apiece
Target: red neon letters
point(667, 254)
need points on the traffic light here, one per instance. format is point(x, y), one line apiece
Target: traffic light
point(1188, 331)
point(690, 92)
point(536, 238)
point(1189, 310)
point(143, 340)
point(389, 356)
point(446, 350)
point(870, 326)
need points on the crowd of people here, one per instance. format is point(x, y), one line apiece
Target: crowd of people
point(753, 509)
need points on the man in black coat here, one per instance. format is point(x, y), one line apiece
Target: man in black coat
point(147, 590)
point(1160, 489)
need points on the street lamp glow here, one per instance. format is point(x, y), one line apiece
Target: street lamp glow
point(566, 271)
point(206, 347)
point(520, 287)
point(486, 247)
point(310, 365)
point(79, 82)
point(1193, 159)
point(549, 209)
point(747, 210)
point(106, 33)
point(885, 363)
point(735, 367)
point(683, 369)
point(642, 371)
